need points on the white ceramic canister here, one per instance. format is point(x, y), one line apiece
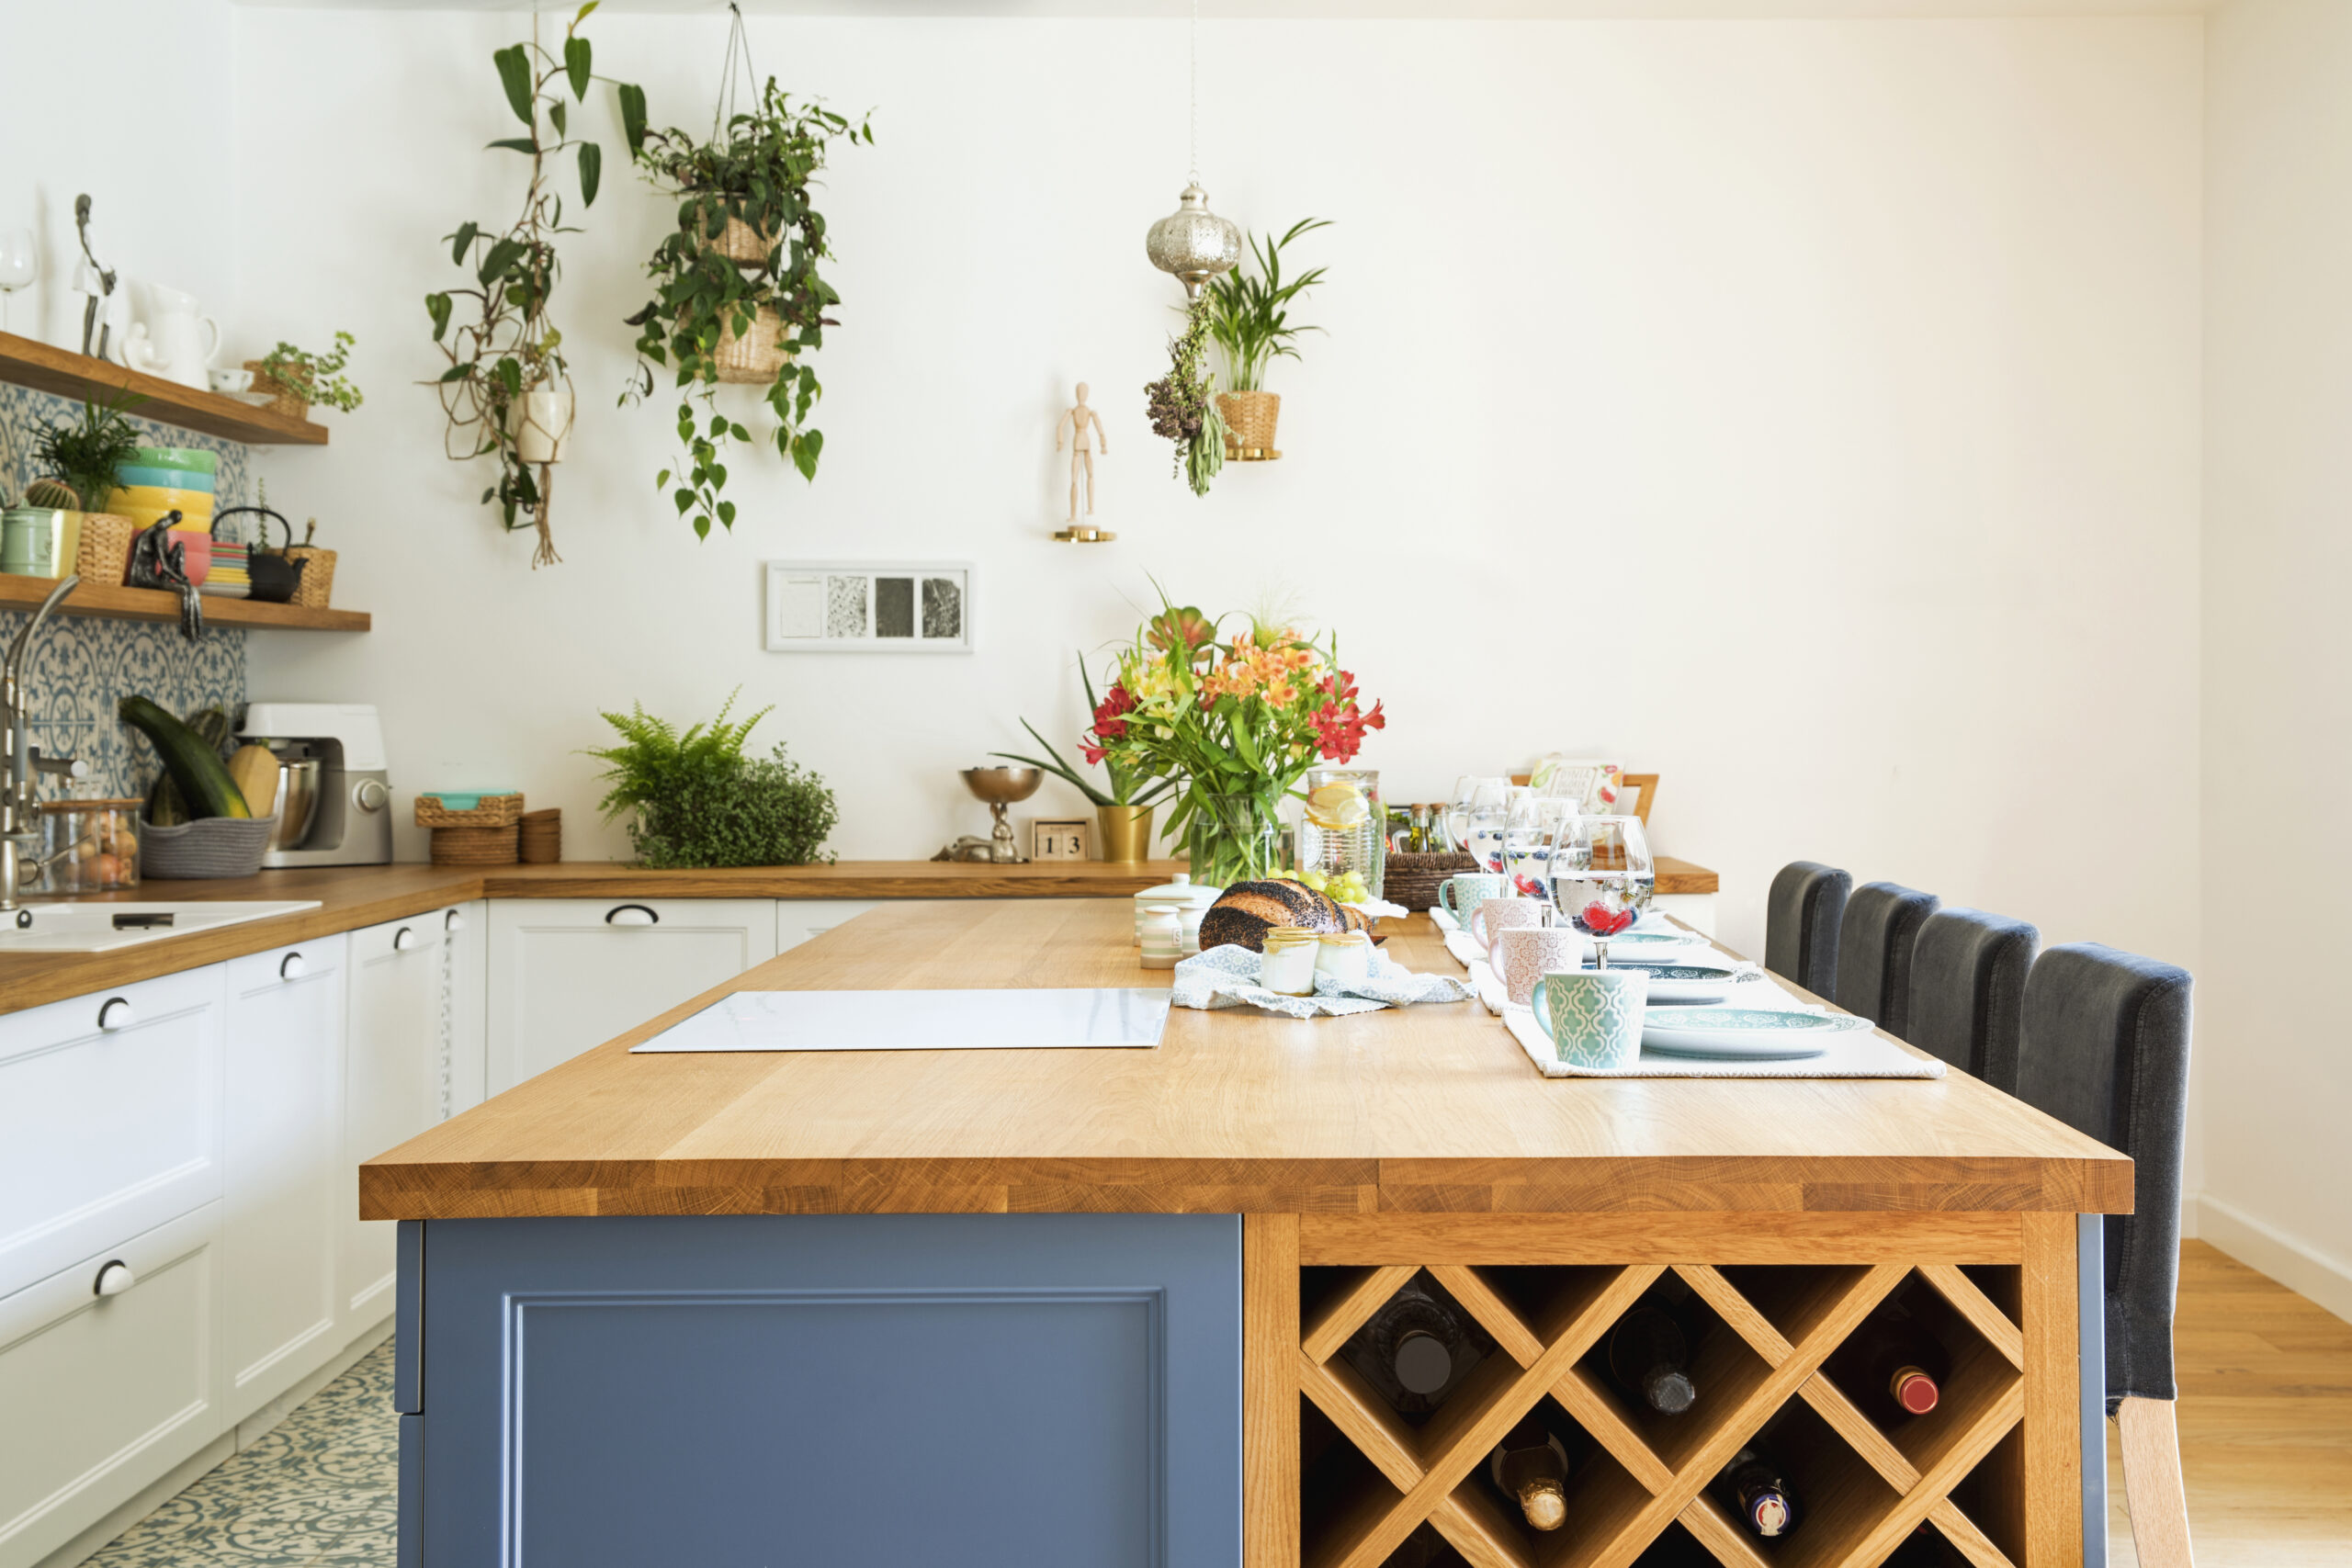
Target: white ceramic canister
point(1163, 937)
point(1287, 965)
point(1190, 899)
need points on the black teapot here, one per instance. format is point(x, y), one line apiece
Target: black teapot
point(275, 574)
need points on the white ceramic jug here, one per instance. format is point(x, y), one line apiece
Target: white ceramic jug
point(168, 337)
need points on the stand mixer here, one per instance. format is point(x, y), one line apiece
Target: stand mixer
point(1001, 788)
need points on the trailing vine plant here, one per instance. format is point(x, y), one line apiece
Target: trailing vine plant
point(505, 346)
point(741, 268)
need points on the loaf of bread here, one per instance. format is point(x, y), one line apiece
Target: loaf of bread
point(1246, 911)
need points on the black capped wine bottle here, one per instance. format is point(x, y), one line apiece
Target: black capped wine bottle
point(1418, 1348)
point(1650, 1359)
point(1751, 1486)
point(1892, 1367)
point(1532, 1468)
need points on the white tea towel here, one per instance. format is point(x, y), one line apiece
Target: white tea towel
point(1441, 920)
point(1379, 909)
point(1465, 948)
point(1228, 977)
point(1862, 1054)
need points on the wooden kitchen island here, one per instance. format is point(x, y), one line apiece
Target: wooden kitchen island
point(1086, 1307)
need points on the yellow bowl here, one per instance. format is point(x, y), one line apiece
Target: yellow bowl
point(148, 516)
point(160, 499)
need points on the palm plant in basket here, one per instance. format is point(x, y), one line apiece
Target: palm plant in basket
point(1249, 319)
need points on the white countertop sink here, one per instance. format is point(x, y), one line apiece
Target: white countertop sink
point(67, 927)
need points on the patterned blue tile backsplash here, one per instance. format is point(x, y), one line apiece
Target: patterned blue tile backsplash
point(84, 667)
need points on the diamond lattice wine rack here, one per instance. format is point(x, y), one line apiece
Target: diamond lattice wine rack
point(1945, 1487)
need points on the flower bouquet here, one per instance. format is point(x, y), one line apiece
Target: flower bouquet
point(1124, 810)
point(1239, 721)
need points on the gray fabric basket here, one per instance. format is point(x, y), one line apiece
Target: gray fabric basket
point(215, 846)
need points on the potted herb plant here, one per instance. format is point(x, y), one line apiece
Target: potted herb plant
point(698, 801)
point(1249, 319)
point(506, 392)
point(299, 379)
point(82, 458)
point(738, 297)
point(1123, 811)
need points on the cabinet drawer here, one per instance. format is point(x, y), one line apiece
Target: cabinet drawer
point(99, 1395)
point(107, 1132)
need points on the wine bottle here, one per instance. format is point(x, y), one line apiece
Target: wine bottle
point(1418, 1348)
point(1532, 1468)
point(1758, 1498)
point(1650, 1359)
point(1892, 1366)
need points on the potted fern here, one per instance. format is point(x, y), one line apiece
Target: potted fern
point(695, 800)
point(1249, 318)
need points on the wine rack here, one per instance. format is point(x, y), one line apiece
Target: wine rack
point(1638, 1494)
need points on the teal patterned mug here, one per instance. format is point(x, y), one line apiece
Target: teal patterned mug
point(1592, 1017)
point(1458, 895)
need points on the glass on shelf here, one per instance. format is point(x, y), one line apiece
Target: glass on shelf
point(1342, 833)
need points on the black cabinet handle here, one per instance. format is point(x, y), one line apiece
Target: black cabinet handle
point(631, 915)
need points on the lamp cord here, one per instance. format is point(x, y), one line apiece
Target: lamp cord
point(1194, 94)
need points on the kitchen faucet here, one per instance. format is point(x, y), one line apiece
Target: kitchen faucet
point(19, 807)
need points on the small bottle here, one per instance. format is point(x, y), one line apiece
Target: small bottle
point(1418, 1348)
point(1892, 1367)
point(1650, 1360)
point(1751, 1487)
point(1532, 1469)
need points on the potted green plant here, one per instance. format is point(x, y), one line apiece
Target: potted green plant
point(738, 297)
point(1123, 811)
point(82, 457)
point(299, 379)
point(699, 801)
point(506, 392)
point(1249, 319)
point(1180, 408)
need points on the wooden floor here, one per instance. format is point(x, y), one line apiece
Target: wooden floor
point(2266, 1423)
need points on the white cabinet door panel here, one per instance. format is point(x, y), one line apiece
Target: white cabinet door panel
point(467, 927)
point(799, 919)
point(392, 1088)
point(566, 974)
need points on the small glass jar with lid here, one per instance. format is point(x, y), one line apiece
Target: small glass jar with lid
point(1286, 964)
point(93, 844)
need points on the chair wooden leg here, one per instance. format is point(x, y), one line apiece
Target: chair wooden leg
point(2151, 1483)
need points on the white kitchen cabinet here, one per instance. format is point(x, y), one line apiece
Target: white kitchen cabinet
point(101, 1393)
point(566, 974)
point(468, 930)
point(283, 1044)
point(392, 1089)
point(110, 1119)
point(799, 919)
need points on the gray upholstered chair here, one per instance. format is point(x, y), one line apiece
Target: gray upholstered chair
point(2107, 1053)
point(1882, 920)
point(1801, 919)
point(1967, 1005)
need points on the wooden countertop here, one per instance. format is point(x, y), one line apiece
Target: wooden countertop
point(352, 897)
point(1430, 1109)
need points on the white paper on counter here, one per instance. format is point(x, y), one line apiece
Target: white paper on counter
point(1124, 1016)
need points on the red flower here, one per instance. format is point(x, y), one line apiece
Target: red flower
point(1108, 725)
point(1092, 753)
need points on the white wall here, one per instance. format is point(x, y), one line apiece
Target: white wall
point(2277, 1070)
point(1807, 412)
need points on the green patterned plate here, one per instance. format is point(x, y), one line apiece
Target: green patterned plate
point(1757, 1034)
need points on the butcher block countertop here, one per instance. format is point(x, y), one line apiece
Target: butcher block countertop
point(352, 897)
point(1431, 1109)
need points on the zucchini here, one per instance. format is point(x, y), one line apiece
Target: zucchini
point(193, 765)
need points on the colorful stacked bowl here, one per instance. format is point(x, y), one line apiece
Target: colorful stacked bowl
point(179, 460)
point(144, 504)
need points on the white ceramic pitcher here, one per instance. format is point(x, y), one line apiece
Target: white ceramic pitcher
point(168, 336)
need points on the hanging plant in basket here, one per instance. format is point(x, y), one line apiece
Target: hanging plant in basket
point(1249, 319)
point(507, 393)
point(737, 299)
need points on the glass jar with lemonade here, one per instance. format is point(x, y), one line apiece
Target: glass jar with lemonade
point(1342, 834)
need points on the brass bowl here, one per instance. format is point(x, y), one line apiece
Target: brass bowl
point(1003, 786)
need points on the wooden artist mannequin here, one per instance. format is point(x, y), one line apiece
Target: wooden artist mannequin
point(1082, 460)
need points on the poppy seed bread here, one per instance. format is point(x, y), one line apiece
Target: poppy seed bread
point(1246, 911)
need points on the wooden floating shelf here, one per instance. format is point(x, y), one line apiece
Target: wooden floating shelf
point(70, 375)
point(156, 605)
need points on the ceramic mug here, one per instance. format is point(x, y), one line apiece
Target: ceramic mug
point(1505, 912)
point(1520, 955)
point(1459, 895)
point(1592, 1017)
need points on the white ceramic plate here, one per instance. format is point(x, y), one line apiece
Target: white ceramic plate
point(1750, 1033)
point(1674, 982)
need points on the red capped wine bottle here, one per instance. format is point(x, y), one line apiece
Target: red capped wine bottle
point(1751, 1487)
point(1892, 1366)
point(1532, 1468)
point(1418, 1348)
point(1650, 1360)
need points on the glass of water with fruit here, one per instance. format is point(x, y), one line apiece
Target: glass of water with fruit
point(1602, 876)
point(1343, 842)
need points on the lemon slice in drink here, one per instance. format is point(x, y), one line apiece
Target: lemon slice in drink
point(1338, 805)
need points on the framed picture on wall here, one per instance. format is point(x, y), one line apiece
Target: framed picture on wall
point(869, 607)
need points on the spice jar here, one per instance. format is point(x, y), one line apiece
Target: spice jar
point(94, 843)
point(1287, 963)
point(1346, 956)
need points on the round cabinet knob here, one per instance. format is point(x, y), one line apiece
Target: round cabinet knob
point(631, 915)
point(456, 922)
point(370, 794)
point(113, 1279)
point(115, 1013)
point(293, 966)
point(404, 940)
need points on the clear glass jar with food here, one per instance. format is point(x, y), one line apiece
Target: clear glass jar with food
point(95, 844)
point(1342, 834)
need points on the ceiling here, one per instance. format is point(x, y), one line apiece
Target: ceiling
point(1335, 9)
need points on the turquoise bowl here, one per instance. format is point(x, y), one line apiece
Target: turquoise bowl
point(187, 460)
point(131, 475)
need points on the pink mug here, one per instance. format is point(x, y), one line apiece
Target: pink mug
point(1524, 955)
point(1495, 915)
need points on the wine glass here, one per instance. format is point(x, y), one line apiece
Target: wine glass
point(19, 265)
point(1531, 823)
point(1482, 823)
point(1469, 791)
point(1602, 876)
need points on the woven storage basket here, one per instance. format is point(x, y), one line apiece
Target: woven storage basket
point(317, 585)
point(1250, 422)
point(476, 846)
point(286, 400)
point(742, 245)
point(1412, 880)
point(215, 846)
point(105, 555)
point(542, 842)
point(495, 811)
point(751, 361)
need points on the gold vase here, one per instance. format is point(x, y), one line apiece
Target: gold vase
point(1127, 832)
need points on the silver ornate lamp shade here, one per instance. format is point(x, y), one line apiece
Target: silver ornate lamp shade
point(1193, 242)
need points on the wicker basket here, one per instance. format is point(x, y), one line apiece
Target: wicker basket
point(317, 583)
point(542, 842)
point(212, 846)
point(105, 556)
point(476, 846)
point(753, 361)
point(1412, 880)
point(287, 400)
point(1250, 425)
point(495, 811)
point(742, 245)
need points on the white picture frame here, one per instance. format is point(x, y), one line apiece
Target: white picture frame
point(867, 606)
